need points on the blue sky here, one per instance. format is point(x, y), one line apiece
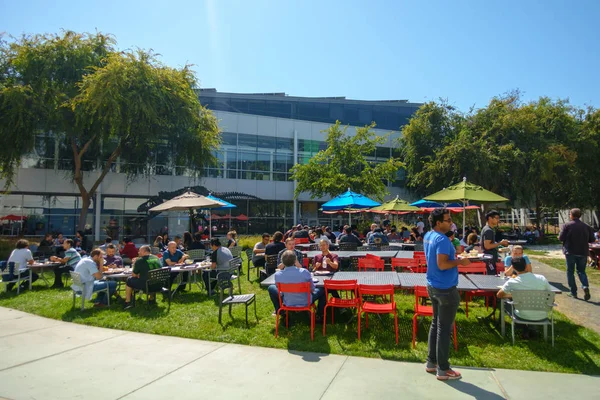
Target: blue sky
point(465, 51)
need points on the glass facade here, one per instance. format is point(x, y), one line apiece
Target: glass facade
point(392, 116)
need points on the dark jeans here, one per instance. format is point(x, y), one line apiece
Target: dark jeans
point(318, 294)
point(579, 263)
point(445, 302)
point(58, 271)
point(213, 274)
point(260, 263)
point(101, 296)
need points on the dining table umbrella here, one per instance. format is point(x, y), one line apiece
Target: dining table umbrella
point(465, 192)
point(189, 201)
point(395, 206)
point(349, 199)
point(226, 206)
point(13, 217)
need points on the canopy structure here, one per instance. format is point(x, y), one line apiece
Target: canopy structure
point(347, 200)
point(465, 192)
point(12, 217)
point(189, 201)
point(395, 206)
point(226, 206)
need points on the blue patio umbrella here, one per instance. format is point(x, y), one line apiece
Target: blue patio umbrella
point(347, 200)
point(432, 204)
point(227, 206)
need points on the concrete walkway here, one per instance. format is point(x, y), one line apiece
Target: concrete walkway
point(47, 359)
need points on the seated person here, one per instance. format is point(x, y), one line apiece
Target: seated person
point(455, 242)
point(319, 235)
point(59, 240)
point(404, 233)
point(290, 244)
point(292, 274)
point(597, 236)
point(472, 242)
point(179, 242)
point(377, 237)
point(160, 244)
point(332, 237)
point(21, 257)
point(302, 233)
point(231, 236)
point(517, 252)
point(111, 259)
point(219, 259)
point(415, 236)
point(70, 260)
point(369, 233)
point(107, 241)
point(326, 261)
point(258, 252)
point(170, 258)
point(272, 249)
point(90, 270)
point(48, 241)
point(128, 250)
point(349, 237)
point(143, 264)
point(524, 281)
point(197, 242)
point(393, 236)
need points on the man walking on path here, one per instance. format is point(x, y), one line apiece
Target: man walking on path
point(575, 236)
point(442, 278)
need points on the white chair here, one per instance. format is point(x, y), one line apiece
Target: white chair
point(533, 300)
point(17, 276)
point(76, 277)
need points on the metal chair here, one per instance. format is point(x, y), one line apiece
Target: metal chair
point(533, 300)
point(12, 274)
point(236, 251)
point(224, 283)
point(371, 307)
point(158, 281)
point(348, 246)
point(249, 254)
point(271, 264)
point(197, 254)
point(76, 278)
point(300, 289)
point(348, 297)
point(235, 265)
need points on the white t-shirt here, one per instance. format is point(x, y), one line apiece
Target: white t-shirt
point(20, 257)
point(528, 281)
point(420, 226)
point(86, 268)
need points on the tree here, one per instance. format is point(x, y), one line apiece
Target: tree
point(344, 164)
point(102, 104)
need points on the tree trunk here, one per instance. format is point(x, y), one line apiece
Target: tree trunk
point(85, 205)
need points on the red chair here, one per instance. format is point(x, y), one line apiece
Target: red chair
point(474, 268)
point(301, 240)
point(348, 291)
point(500, 267)
point(306, 262)
point(405, 263)
point(303, 287)
point(365, 264)
point(418, 254)
point(367, 307)
point(425, 311)
point(373, 256)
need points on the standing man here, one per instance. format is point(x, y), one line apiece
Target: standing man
point(488, 239)
point(442, 278)
point(420, 226)
point(575, 236)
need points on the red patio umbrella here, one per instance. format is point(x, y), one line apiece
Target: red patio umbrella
point(242, 217)
point(215, 216)
point(12, 217)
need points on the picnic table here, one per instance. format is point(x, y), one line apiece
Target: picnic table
point(41, 266)
point(493, 283)
point(317, 279)
point(410, 280)
point(339, 253)
point(369, 278)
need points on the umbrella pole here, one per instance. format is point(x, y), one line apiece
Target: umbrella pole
point(350, 219)
point(210, 226)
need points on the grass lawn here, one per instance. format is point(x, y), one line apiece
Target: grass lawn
point(194, 315)
point(560, 264)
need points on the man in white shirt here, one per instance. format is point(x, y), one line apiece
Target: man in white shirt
point(90, 270)
point(21, 257)
point(420, 226)
point(525, 281)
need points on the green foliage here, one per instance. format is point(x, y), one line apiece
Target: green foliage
point(344, 165)
point(101, 104)
point(541, 153)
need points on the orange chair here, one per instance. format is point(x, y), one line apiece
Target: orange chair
point(405, 263)
point(425, 311)
point(301, 240)
point(348, 290)
point(365, 264)
point(369, 307)
point(303, 287)
point(474, 268)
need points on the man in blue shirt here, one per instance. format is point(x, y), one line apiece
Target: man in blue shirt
point(292, 274)
point(442, 278)
point(174, 256)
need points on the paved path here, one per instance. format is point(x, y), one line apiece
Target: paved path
point(584, 313)
point(48, 359)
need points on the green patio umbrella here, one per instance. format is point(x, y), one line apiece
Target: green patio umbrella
point(395, 206)
point(465, 192)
